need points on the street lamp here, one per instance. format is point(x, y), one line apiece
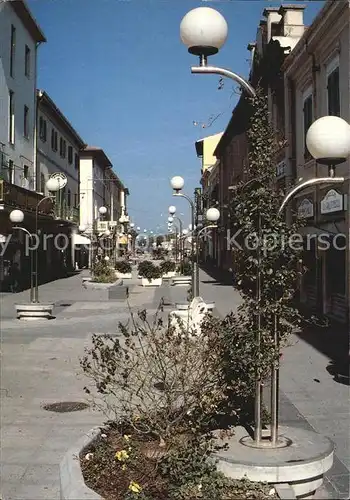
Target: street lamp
point(17, 216)
point(212, 216)
point(204, 31)
point(178, 248)
point(172, 209)
point(177, 183)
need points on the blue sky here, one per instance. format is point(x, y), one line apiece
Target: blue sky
point(119, 72)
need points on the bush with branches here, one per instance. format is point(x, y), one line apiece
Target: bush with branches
point(167, 266)
point(102, 272)
point(148, 270)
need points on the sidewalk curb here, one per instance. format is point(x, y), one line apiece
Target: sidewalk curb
point(72, 484)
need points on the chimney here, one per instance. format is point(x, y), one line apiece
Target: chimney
point(273, 19)
point(293, 20)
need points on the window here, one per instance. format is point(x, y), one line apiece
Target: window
point(11, 172)
point(76, 161)
point(63, 146)
point(25, 181)
point(12, 50)
point(42, 129)
point(27, 61)
point(333, 93)
point(69, 199)
point(11, 117)
point(54, 139)
point(70, 155)
point(26, 122)
point(308, 118)
point(42, 183)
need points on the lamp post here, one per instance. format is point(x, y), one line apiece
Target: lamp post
point(101, 211)
point(17, 216)
point(177, 183)
point(204, 31)
point(181, 250)
point(212, 216)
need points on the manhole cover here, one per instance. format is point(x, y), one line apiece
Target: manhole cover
point(65, 406)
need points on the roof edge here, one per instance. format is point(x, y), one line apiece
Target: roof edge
point(23, 12)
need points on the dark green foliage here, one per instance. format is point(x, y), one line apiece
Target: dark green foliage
point(102, 273)
point(148, 270)
point(167, 266)
point(123, 266)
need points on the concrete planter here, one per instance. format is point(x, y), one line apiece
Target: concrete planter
point(101, 286)
point(72, 484)
point(181, 281)
point(153, 282)
point(123, 276)
point(182, 306)
point(170, 274)
point(34, 311)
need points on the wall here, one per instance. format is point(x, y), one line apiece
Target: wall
point(209, 146)
point(22, 152)
point(50, 161)
point(86, 192)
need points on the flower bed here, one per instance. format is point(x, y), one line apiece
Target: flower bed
point(121, 466)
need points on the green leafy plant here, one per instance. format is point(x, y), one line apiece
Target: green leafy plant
point(103, 273)
point(148, 270)
point(123, 266)
point(167, 266)
point(185, 268)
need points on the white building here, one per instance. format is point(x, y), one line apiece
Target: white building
point(58, 148)
point(20, 37)
point(100, 186)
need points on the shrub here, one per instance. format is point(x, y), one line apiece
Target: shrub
point(185, 268)
point(123, 266)
point(148, 270)
point(102, 273)
point(159, 381)
point(167, 266)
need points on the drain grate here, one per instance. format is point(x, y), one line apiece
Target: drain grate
point(65, 406)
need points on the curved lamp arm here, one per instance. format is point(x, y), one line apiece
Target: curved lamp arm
point(305, 184)
point(213, 70)
point(211, 226)
point(186, 197)
point(24, 230)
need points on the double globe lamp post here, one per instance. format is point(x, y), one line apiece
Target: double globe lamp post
point(204, 31)
point(53, 185)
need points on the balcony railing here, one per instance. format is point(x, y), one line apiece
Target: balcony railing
point(15, 196)
point(64, 212)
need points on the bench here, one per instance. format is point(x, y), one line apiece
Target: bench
point(190, 319)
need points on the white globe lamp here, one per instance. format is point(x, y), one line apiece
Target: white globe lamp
point(107, 233)
point(212, 215)
point(170, 219)
point(106, 258)
point(53, 185)
point(204, 31)
point(16, 216)
point(138, 228)
point(82, 228)
point(172, 210)
point(177, 183)
point(102, 210)
point(328, 140)
point(184, 232)
point(132, 225)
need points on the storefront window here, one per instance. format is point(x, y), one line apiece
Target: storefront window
point(335, 270)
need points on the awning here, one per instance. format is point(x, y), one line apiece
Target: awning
point(79, 239)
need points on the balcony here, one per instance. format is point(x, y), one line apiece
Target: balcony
point(64, 212)
point(13, 196)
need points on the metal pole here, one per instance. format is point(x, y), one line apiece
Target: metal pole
point(274, 386)
point(30, 262)
point(258, 386)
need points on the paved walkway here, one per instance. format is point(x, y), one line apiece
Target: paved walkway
point(40, 365)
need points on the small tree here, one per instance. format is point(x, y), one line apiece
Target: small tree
point(266, 262)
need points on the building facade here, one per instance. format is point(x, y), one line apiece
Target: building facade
point(209, 188)
point(101, 187)
point(317, 83)
point(20, 37)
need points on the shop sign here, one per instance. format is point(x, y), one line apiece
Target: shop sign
point(332, 202)
point(123, 240)
point(306, 209)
